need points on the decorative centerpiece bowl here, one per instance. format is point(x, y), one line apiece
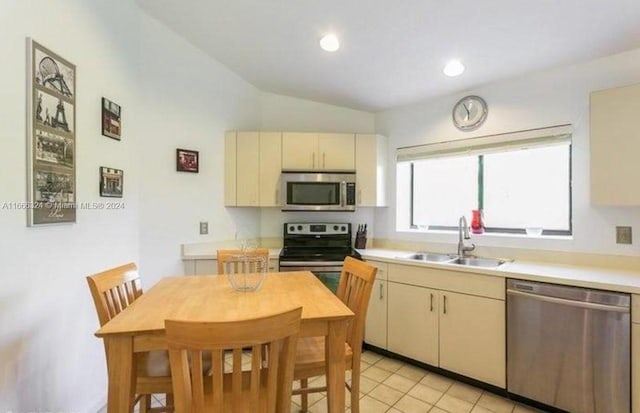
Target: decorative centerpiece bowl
point(246, 272)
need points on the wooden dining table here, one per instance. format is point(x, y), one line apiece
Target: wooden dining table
point(140, 327)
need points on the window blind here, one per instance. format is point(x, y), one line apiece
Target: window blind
point(555, 135)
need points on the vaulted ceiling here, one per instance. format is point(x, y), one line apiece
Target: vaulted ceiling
point(393, 51)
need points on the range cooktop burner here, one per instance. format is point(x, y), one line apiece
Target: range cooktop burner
point(317, 242)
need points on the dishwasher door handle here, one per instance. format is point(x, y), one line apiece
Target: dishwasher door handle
point(571, 303)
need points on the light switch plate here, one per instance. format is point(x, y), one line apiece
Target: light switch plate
point(623, 235)
point(204, 228)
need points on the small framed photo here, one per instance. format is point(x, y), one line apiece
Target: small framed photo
point(187, 161)
point(111, 122)
point(111, 182)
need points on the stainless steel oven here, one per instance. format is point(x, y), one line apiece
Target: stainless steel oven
point(327, 271)
point(318, 191)
point(317, 247)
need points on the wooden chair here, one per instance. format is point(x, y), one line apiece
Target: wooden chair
point(354, 289)
point(113, 291)
point(228, 263)
point(265, 388)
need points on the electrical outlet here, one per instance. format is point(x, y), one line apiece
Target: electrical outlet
point(623, 235)
point(204, 228)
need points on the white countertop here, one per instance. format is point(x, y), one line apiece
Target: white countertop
point(589, 277)
point(273, 253)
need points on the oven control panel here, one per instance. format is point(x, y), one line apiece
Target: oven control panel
point(317, 228)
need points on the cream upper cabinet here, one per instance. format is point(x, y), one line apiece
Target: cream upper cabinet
point(247, 168)
point(299, 151)
point(472, 337)
point(336, 151)
point(615, 144)
point(270, 168)
point(230, 163)
point(375, 330)
point(413, 322)
point(371, 167)
point(318, 151)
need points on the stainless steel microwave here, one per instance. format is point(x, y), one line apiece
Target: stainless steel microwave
point(318, 191)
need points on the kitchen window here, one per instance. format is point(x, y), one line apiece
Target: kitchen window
point(517, 183)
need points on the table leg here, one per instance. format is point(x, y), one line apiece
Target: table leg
point(121, 374)
point(334, 357)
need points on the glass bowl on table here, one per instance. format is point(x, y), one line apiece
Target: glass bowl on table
point(246, 272)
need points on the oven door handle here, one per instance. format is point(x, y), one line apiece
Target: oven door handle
point(310, 263)
point(312, 269)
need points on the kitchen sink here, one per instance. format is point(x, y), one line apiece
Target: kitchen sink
point(454, 259)
point(478, 262)
point(430, 257)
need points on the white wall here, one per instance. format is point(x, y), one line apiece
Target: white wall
point(542, 99)
point(172, 96)
point(189, 100)
point(49, 358)
point(283, 113)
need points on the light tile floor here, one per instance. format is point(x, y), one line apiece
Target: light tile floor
point(389, 385)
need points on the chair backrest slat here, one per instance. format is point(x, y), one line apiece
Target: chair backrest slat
point(229, 264)
point(238, 390)
point(218, 375)
point(256, 359)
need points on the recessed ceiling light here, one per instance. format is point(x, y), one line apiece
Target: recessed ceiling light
point(330, 43)
point(453, 68)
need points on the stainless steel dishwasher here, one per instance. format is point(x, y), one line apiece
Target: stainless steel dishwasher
point(569, 347)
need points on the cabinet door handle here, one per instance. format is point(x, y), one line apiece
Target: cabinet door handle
point(323, 159)
point(359, 196)
point(381, 291)
point(431, 304)
point(277, 197)
point(313, 159)
point(444, 304)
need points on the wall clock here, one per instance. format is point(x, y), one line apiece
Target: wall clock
point(469, 113)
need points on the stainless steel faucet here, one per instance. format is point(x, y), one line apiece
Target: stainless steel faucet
point(463, 230)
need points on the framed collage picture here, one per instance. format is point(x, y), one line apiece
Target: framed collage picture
point(51, 137)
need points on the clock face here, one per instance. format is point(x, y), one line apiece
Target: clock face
point(469, 113)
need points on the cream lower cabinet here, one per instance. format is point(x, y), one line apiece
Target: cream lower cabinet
point(413, 322)
point(210, 266)
point(472, 337)
point(635, 367)
point(375, 329)
point(635, 354)
point(449, 319)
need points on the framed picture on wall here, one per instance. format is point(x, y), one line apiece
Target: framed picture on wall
point(51, 137)
point(187, 160)
point(111, 182)
point(111, 119)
